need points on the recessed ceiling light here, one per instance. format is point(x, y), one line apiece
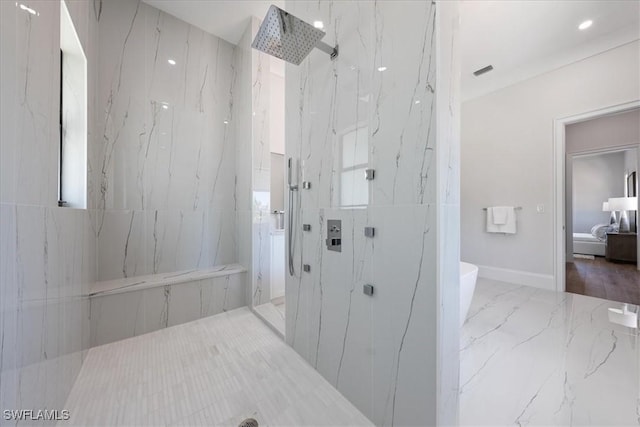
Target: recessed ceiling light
point(318, 24)
point(226, 122)
point(165, 105)
point(171, 61)
point(381, 69)
point(28, 9)
point(586, 24)
point(417, 101)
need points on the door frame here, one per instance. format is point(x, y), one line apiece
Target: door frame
point(559, 179)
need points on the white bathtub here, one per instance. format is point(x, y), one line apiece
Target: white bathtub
point(468, 277)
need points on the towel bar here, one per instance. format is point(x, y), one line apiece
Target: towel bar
point(518, 208)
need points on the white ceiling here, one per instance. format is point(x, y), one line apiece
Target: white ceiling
point(520, 38)
point(226, 19)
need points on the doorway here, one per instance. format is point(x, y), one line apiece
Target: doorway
point(596, 166)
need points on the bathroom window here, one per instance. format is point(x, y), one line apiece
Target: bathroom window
point(354, 188)
point(72, 163)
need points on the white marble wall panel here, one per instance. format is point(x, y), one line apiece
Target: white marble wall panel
point(48, 263)
point(10, 21)
point(165, 156)
point(377, 103)
point(8, 305)
point(37, 56)
point(134, 243)
point(124, 315)
point(121, 244)
point(242, 113)
point(261, 175)
point(251, 105)
point(47, 254)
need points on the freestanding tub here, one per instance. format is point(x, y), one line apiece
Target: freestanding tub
point(468, 277)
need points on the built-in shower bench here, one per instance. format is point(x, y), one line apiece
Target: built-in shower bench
point(127, 307)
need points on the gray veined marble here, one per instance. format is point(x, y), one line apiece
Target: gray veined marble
point(177, 181)
point(166, 300)
point(388, 103)
point(165, 162)
point(253, 158)
point(47, 254)
point(536, 357)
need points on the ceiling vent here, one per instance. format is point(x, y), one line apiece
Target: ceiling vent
point(483, 70)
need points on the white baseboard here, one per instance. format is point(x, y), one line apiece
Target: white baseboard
point(542, 281)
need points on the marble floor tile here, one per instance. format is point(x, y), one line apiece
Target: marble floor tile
point(535, 357)
point(213, 371)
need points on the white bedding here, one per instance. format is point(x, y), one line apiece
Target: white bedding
point(584, 237)
point(586, 243)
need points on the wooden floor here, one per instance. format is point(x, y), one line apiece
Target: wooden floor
point(602, 279)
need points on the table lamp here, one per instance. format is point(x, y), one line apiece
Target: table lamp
point(623, 204)
point(612, 218)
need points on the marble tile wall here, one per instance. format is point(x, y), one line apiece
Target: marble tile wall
point(116, 316)
point(47, 253)
point(389, 103)
point(251, 105)
point(161, 176)
point(163, 159)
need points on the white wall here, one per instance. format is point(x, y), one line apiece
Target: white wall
point(163, 162)
point(252, 105)
point(507, 155)
point(595, 179)
point(611, 131)
point(47, 253)
point(394, 354)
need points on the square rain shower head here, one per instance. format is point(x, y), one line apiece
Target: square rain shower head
point(286, 37)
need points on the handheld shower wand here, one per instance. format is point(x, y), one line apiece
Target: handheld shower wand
point(292, 189)
point(290, 172)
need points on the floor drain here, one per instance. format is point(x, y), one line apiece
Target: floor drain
point(249, 422)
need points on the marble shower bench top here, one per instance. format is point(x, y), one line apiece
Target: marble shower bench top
point(136, 283)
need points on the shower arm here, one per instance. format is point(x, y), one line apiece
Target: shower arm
point(332, 51)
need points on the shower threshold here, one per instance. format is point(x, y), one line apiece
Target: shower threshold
point(272, 313)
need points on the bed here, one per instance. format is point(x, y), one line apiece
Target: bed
point(587, 244)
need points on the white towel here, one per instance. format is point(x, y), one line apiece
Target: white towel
point(496, 223)
point(500, 214)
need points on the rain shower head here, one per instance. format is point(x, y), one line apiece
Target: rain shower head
point(289, 38)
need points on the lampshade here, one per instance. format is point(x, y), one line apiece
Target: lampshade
point(623, 203)
point(605, 207)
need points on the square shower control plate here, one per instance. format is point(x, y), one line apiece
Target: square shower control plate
point(370, 174)
point(334, 235)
